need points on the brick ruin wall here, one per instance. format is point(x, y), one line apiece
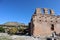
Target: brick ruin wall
point(44, 22)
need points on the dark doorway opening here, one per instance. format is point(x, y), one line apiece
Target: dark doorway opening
point(54, 39)
point(52, 27)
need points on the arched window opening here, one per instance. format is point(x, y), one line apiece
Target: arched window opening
point(48, 11)
point(42, 11)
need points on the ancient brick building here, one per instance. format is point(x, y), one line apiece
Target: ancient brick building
point(44, 22)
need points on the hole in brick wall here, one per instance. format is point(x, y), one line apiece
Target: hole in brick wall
point(51, 21)
point(39, 17)
point(39, 20)
point(50, 18)
point(33, 20)
point(45, 20)
point(45, 17)
point(58, 17)
point(52, 27)
point(56, 21)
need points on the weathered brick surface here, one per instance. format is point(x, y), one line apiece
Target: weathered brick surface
point(44, 22)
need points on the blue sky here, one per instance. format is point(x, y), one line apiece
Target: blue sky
point(22, 10)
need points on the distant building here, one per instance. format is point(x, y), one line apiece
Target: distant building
point(44, 22)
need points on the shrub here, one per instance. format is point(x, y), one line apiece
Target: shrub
point(13, 30)
point(2, 29)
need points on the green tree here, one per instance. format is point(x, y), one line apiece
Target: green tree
point(22, 29)
point(2, 29)
point(13, 30)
